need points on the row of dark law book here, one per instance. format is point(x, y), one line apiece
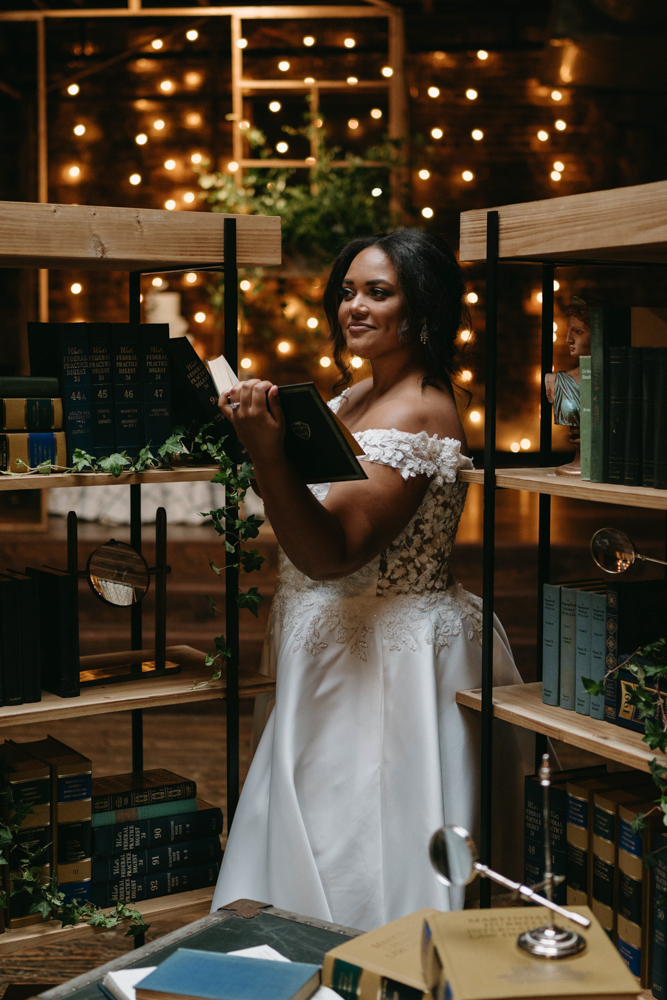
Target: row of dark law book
point(589, 628)
point(122, 838)
point(623, 397)
point(600, 859)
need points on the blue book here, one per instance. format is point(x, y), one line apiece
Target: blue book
point(551, 644)
point(209, 975)
point(568, 647)
point(582, 699)
point(143, 812)
point(127, 367)
point(101, 381)
point(598, 650)
point(156, 859)
point(659, 935)
point(156, 383)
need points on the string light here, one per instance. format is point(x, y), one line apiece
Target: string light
point(525, 443)
point(309, 79)
point(352, 80)
point(79, 129)
point(465, 335)
point(555, 327)
point(275, 106)
point(73, 89)
point(424, 174)
point(387, 71)
point(475, 416)
point(193, 79)
point(193, 119)
point(376, 113)
point(312, 322)
point(555, 337)
point(189, 197)
point(195, 158)
point(167, 86)
point(244, 285)
point(281, 147)
point(466, 375)
point(468, 176)
point(560, 125)
point(556, 95)
point(284, 346)
point(244, 125)
point(76, 288)
point(376, 192)
point(555, 175)
point(437, 133)
point(482, 54)
point(477, 134)
point(233, 166)
point(74, 171)
point(159, 124)
point(308, 41)
point(157, 43)
point(283, 65)
point(542, 135)
point(556, 285)
point(135, 179)
point(310, 160)
point(433, 91)
point(157, 282)
point(515, 446)
point(558, 165)
point(191, 277)
point(353, 123)
point(356, 362)
point(246, 363)
point(472, 298)
point(200, 317)
point(141, 139)
point(349, 43)
point(169, 164)
point(170, 205)
point(427, 212)
point(192, 35)
point(325, 362)
point(242, 43)
point(471, 94)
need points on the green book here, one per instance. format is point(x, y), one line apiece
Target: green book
point(585, 415)
point(29, 386)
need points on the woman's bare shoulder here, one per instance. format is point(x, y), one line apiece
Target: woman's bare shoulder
point(431, 409)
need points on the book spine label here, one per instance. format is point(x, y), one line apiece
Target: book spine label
point(617, 411)
point(131, 890)
point(649, 375)
point(147, 833)
point(597, 469)
point(79, 890)
point(32, 414)
point(577, 862)
point(568, 638)
point(632, 449)
point(611, 653)
point(75, 368)
point(142, 812)
point(583, 652)
point(102, 388)
point(598, 649)
point(551, 644)
point(129, 426)
point(157, 385)
point(144, 797)
point(139, 863)
point(345, 979)
point(585, 416)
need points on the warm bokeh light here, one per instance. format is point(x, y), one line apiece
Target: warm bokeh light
point(353, 123)
point(283, 65)
point(376, 113)
point(74, 171)
point(559, 165)
point(135, 179)
point(349, 43)
point(73, 89)
point(141, 139)
point(312, 322)
point(308, 40)
point(156, 282)
point(515, 446)
point(79, 129)
point(466, 375)
point(555, 326)
point(556, 285)
point(477, 134)
point(387, 71)
point(191, 277)
point(193, 79)
point(325, 362)
point(284, 346)
point(232, 166)
point(556, 95)
point(465, 335)
point(275, 105)
point(472, 298)
point(281, 147)
point(246, 363)
point(242, 43)
point(245, 285)
point(427, 212)
point(555, 175)
point(376, 192)
point(192, 35)
point(200, 317)
point(560, 125)
point(76, 288)
point(471, 94)
point(542, 135)
point(158, 124)
point(437, 133)
point(244, 125)
point(424, 174)
point(475, 416)
point(169, 164)
point(482, 54)
point(525, 443)
point(555, 337)
point(433, 91)
point(195, 158)
point(166, 86)
point(192, 119)
point(468, 175)
point(356, 362)
point(352, 80)
point(157, 43)
point(309, 79)
point(189, 197)
point(170, 205)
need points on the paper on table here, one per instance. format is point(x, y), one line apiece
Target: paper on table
point(267, 952)
point(122, 982)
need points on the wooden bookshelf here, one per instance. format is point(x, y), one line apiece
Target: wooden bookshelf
point(546, 481)
point(186, 905)
point(521, 704)
point(172, 689)
point(56, 480)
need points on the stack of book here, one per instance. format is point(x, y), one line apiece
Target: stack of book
point(589, 627)
point(32, 423)
point(114, 380)
point(152, 837)
point(624, 397)
point(594, 847)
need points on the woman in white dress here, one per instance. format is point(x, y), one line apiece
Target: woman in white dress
point(366, 752)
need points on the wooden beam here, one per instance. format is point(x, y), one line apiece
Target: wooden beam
point(301, 85)
point(305, 163)
point(624, 224)
point(266, 13)
point(128, 239)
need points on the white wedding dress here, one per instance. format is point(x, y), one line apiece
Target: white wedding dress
point(366, 752)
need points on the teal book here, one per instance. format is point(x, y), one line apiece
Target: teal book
point(585, 415)
point(598, 649)
point(178, 828)
point(143, 812)
point(134, 864)
point(127, 387)
point(551, 644)
point(156, 383)
point(568, 647)
point(582, 699)
point(210, 975)
point(101, 380)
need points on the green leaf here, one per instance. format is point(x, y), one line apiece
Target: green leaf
point(593, 687)
point(250, 527)
point(221, 647)
point(134, 930)
point(43, 907)
point(212, 606)
point(145, 460)
point(82, 460)
point(654, 735)
point(638, 823)
point(219, 570)
point(250, 600)
point(251, 559)
point(114, 464)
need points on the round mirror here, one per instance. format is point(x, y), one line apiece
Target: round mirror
point(612, 550)
point(453, 855)
point(117, 574)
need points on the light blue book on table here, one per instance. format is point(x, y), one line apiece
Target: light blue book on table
point(144, 812)
point(582, 700)
point(568, 647)
point(211, 975)
point(551, 644)
point(598, 649)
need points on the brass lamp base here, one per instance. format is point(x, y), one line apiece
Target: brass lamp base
point(551, 942)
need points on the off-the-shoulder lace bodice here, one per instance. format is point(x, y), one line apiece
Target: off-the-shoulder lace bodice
point(415, 567)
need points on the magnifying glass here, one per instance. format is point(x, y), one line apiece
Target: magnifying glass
point(614, 552)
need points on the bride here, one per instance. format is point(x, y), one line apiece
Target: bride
point(366, 752)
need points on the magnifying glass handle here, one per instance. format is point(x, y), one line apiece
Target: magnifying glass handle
point(660, 562)
point(529, 893)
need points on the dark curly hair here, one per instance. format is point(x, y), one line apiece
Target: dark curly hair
point(432, 286)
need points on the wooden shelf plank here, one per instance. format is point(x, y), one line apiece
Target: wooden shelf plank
point(546, 481)
point(173, 689)
point(56, 480)
point(185, 904)
point(522, 705)
point(89, 237)
point(624, 224)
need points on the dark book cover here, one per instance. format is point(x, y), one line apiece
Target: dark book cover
point(61, 350)
point(32, 414)
point(58, 630)
point(318, 445)
point(22, 386)
point(146, 833)
point(134, 890)
point(611, 326)
point(649, 377)
point(659, 928)
point(660, 434)
point(10, 641)
point(617, 401)
point(140, 788)
point(157, 383)
point(632, 450)
point(134, 864)
point(127, 368)
point(102, 388)
point(30, 629)
point(636, 615)
point(194, 395)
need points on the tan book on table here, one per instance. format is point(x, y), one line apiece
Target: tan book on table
point(473, 955)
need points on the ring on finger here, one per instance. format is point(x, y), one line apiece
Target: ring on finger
point(234, 406)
